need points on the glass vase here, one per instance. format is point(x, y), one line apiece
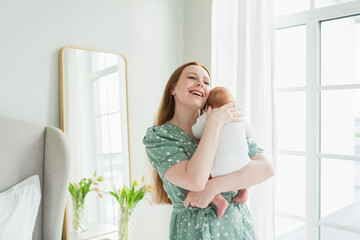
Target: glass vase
point(79, 217)
point(127, 221)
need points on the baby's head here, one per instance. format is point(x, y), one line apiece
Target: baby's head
point(219, 96)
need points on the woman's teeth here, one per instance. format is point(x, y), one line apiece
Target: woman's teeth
point(196, 93)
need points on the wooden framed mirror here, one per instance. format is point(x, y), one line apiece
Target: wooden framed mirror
point(95, 118)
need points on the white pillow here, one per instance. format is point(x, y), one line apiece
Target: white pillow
point(19, 207)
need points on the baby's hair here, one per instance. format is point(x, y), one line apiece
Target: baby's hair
point(219, 96)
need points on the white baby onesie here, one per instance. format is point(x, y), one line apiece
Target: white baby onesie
point(232, 151)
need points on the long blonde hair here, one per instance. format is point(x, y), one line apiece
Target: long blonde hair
point(165, 113)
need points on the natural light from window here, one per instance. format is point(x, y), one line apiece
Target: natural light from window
point(326, 100)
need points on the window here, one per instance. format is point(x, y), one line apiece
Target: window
point(317, 80)
point(108, 148)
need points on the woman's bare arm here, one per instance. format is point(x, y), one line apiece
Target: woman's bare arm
point(194, 173)
point(254, 173)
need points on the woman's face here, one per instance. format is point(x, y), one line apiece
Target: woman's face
point(193, 87)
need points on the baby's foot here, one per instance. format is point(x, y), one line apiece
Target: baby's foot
point(241, 197)
point(221, 205)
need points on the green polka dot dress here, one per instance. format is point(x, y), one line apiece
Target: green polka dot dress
point(167, 145)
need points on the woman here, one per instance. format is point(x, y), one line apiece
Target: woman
point(183, 164)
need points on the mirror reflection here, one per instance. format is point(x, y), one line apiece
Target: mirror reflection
point(94, 116)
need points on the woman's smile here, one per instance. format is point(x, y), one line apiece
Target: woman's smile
point(197, 93)
point(194, 81)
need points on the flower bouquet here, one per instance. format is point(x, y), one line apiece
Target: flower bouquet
point(128, 198)
point(78, 193)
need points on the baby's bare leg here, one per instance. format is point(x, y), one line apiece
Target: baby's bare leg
point(221, 204)
point(242, 196)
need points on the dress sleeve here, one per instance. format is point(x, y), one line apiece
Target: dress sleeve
point(253, 148)
point(163, 149)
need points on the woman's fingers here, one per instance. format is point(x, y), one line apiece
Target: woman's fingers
point(238, 114)
point(227, 113)
point(228, 105)
point(231, 107)
point(235, 109)
point(186, 202)
point(189, 201)
point(192, 200)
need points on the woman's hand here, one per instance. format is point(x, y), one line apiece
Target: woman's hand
point(242, 196)
point(224, 115)
point(202, 198)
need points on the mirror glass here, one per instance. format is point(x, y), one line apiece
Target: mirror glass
point(94, 117)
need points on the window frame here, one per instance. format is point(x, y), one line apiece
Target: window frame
point(312, 19)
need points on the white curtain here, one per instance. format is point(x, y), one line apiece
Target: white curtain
point(79, 131)
point(247, 62)
point(78, 106)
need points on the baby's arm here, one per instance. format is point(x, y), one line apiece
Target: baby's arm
point(199, 126)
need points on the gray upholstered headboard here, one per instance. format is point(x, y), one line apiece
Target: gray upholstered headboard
point(27, 149)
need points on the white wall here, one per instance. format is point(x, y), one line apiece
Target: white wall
point(155, 36)
point(32, 32)
point(197, 31)
point(148, 33)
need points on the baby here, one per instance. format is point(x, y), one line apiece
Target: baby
point(232, 151)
